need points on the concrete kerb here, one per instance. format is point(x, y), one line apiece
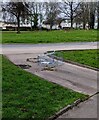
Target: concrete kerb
point(65, 109)
point(68, 107)
point(75, 63)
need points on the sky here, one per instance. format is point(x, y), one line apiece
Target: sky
point(44, 1)
point(48, 0)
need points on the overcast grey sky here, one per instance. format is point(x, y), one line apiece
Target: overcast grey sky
point(48, 0)
point(43, 1)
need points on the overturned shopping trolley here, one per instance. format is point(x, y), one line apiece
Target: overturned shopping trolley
point(49, 62)
point(46, 60)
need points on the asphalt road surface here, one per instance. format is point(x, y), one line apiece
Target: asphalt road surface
point(41, 48)
point(68, 75)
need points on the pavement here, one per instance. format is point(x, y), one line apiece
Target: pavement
point(87, 109)
point(71, 76)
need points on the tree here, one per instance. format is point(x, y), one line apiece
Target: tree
point(36, 13)
point(59, 20)
point(52, 12)
point(18, 9)
point(69, 8)
point(83, 14)
point(87, 12)
point(98, 14)
point(92, 10)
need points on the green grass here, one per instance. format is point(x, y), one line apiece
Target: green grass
point(50, 37)
point(87, 57)
point(0, 87)
point(28, 96)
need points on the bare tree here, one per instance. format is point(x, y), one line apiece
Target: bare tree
point(36, 13)
point(83, 14)
point(98, 14)
point(92, 9)
point(18, 9)
point(59, 20)
point(52, 12)
point(86, 15)
point(69, 8)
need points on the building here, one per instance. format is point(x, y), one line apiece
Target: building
point(27, 26)
point(13, 26)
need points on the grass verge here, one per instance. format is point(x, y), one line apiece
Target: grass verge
point(26, 96)
point(0, 87)
point(86, 57)
point(50, 37)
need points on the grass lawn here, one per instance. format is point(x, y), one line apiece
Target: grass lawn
point(50, 37)
point(28, 96)
point(0, 87)
point(87, 57)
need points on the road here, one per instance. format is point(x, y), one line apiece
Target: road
point(41, 48)
point(68, 75)
point(71, 76)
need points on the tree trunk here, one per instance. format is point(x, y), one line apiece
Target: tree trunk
point(92, 21)
point(98, 22)
point(84, 24)
point(31, 23)
point(51, 26)
point(71, 21)
point(60, 27)
point(76, 25)
point(18, 23)
point(71, 15)
point(98, 16)
point(35, 21)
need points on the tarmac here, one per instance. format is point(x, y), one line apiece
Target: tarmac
point(68, 75)
point(41, 48)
